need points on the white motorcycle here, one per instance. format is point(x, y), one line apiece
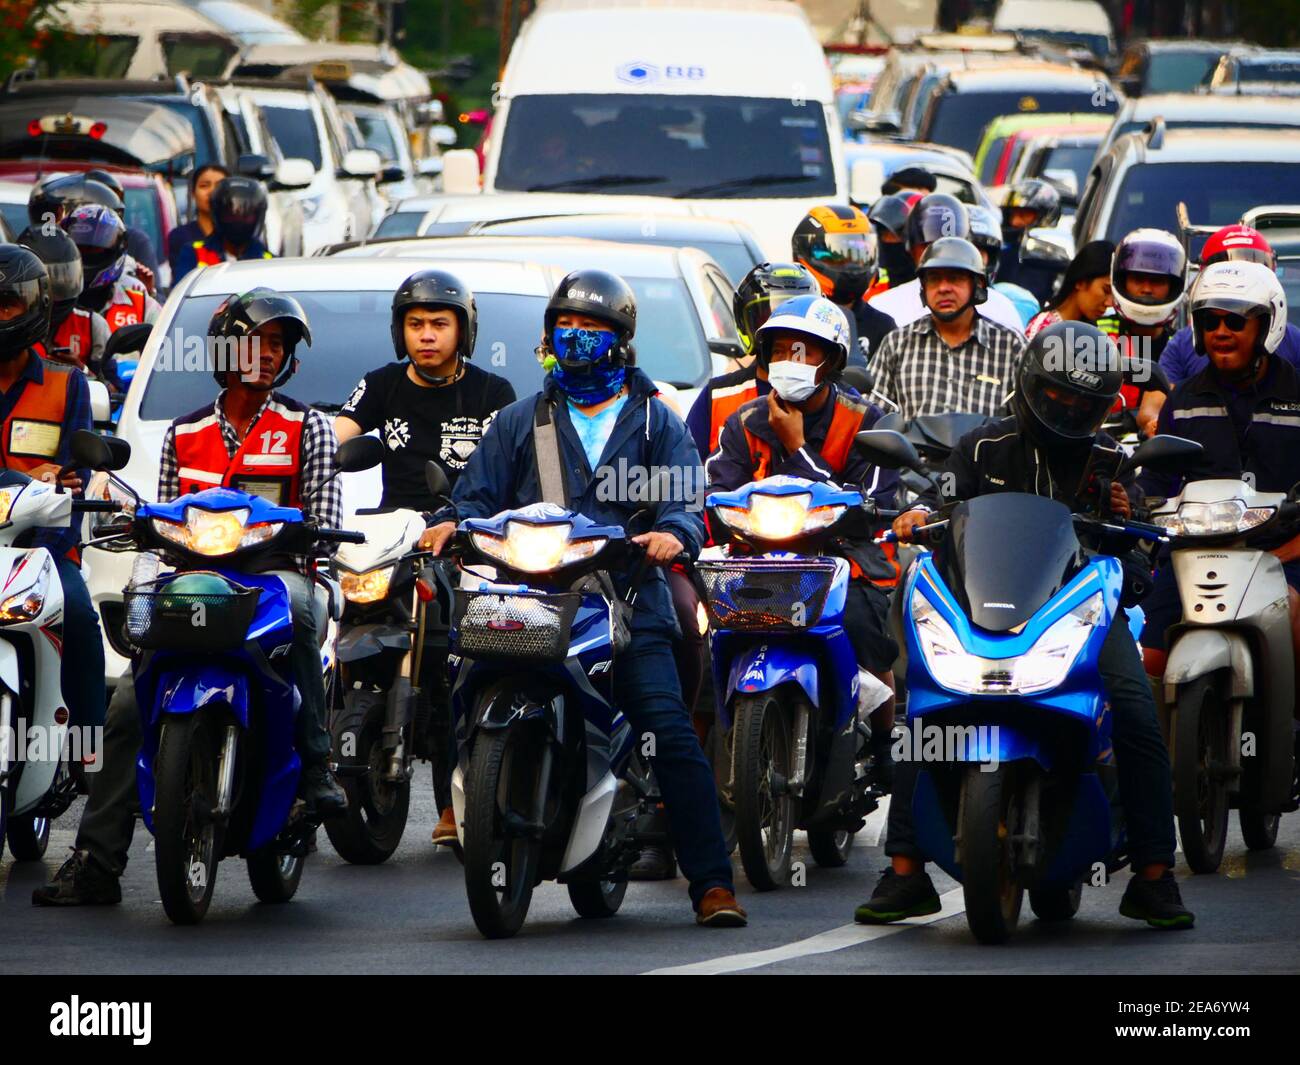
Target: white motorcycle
point(37, 754)
point(1230, 679)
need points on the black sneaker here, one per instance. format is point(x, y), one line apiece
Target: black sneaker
point(898, 897)
point(654, 863)
point(321, 792)
point(79, 882)
point(1157, 902)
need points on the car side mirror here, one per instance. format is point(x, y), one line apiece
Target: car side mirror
point(390, 174)
point(1040, 250)
point(130, 338)
point(100, 453)
point(444, 136)
point(1162, 454)
point(430, 167)
point(293, 173)
point(435, 479)
point(359, 453)
point(727, 348)
point(360, 163)
point(255, 166)
point(889, 450)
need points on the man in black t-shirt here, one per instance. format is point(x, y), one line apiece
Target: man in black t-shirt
point(430, 404)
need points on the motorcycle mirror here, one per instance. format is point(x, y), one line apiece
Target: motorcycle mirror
point(889, 450)
point(859, 378)
point(130, 338)
point(106, 453)
point(1162, 454)
point(359, 453)
point(435, 479)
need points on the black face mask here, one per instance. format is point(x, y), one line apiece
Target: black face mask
point(850, 288)
point(94, 299)
point(7, 355)
point(896, 260)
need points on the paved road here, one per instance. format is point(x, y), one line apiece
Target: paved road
point(410, 916)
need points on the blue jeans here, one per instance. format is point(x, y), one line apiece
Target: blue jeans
point(646, 690)
point(83, 650)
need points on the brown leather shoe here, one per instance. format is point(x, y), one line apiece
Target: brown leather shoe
point(444, 833)
point(719, 909)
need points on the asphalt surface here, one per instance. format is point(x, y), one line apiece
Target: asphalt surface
point(410, 916)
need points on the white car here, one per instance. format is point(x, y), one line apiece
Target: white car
point(13, 208)
point(348, 302)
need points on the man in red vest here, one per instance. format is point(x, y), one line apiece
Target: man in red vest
point(805, 427)
point(77, 336)
point(257, 439)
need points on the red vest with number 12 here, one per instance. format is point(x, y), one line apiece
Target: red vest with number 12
point(268, 462)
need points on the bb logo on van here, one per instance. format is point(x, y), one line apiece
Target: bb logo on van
point(641, 73)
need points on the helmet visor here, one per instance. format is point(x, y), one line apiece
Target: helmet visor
point(66, 280)
point(1243, 254)
point(759, 309)
point(843, 250)
point(18, 298)
point(1063, 410)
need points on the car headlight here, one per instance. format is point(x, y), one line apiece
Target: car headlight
point(215, 532)
point(368, 587)
point(1227, 517)
point(536, 548)
point(7, 498)
point(1043, 667)
point(28, 604)
point(776, 518)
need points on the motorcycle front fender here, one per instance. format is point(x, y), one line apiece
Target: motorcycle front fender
point(208, 686)
point(8, 665)
point(1198, 652)
point(766, 667)
point(367, 641)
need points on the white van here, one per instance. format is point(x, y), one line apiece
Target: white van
point(724, 104)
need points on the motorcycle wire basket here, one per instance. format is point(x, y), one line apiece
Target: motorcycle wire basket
point(518, 626)
point(161, 620)
point(749, 595)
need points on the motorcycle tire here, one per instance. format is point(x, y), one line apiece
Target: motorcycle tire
point(185, 855)
point(597, 898)
point(1259, 830)
point(28, 837)
point(993, 896)
point(830, 847)
point(372, 827)
point(274, 877)
point(1056, 903)
point(764, 820)
point(503, 764)
point(1200, 735)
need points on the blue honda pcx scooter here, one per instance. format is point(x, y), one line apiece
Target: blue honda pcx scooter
point(1001, 625)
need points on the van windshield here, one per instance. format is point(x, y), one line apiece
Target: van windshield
point(687, 146)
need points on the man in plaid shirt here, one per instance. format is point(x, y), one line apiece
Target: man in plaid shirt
point(256, 439)
point(952, 359)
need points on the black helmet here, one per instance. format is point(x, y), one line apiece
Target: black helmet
point(238, 209)
point(986, 234)
point(763, 289)
point(954, 253)
point(1035, 195)
point(934, 216)
point(599, 294)
point(239, 315)
point(435, 288)
point(54, 198)
point(100, 237)
point(62, 262)
point(23, 280)
point(1068, 379)
point(108, 180)
point(890, 212)
point(838, 247)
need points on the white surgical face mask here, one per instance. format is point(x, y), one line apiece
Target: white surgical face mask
point(792, 381)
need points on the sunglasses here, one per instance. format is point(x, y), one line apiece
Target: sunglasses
point(1208, 321)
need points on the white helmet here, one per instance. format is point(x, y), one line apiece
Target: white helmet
point(1246, 288)
point(1148, 251)
point(815, 315)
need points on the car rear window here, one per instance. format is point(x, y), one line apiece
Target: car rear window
point(1178, 72)
point(958, 118)
point(401, 224)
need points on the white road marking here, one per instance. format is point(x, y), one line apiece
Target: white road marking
point(849, 935)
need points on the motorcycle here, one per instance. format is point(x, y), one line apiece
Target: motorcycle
point(1002, 627)
point(785, 673)
point(1230, 672)
point(217, 771)
point(550, 783)
point(39, 759)
point(395, 616)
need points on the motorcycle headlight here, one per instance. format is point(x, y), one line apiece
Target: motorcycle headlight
point(1044, 666)
point(28, 604)
point(368, 587)
point(7, 498)
point(215, 532)
point(536, 548)
point(1227, 517)
point(776, 518)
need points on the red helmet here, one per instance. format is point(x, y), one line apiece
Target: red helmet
point(1238, 243)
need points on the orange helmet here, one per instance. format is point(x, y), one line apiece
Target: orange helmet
point(837, 244)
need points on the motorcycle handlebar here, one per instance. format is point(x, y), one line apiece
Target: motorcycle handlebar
point(339, 536)
point(95, 506)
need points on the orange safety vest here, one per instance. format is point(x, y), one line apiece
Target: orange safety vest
point(117, 315)
point(31, 434)
point(268, 463)
point(75, 336)
point(846, 423)
point(724, 403)
point(205, 256)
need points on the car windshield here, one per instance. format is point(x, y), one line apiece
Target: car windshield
point(294, 130)
point(198, 55)
point(90, 56)
point(345, 326)
point(959, 118)
point(690, 146)
point(1215, 193)
point(142, 214)
point(205, 150)
point(1178, 71)
point(401, 224)
point(377, 134)
point(15, 215)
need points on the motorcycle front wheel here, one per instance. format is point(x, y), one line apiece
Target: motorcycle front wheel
point(274, 877)
point(185, 836)
point(501, 861)
point(765, 810)
point(1200, 734)
point(597, 898)
point(992, 894)
point(28, 837)
point(369, 832)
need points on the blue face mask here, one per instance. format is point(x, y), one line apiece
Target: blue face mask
point(583, 369)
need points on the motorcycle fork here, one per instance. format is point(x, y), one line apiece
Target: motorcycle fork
point(799, 767)
point(401, 697)
point(226, 775)
point(6, 755)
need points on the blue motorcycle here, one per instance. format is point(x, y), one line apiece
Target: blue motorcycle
point(217, 771)
point(1002, 624)
point(549, 783)
point(785, 673)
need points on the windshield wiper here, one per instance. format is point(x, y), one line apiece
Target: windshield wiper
point(754, 182)
point(604, 181)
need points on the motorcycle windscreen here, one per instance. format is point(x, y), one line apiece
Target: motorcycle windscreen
point(1006, 555)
